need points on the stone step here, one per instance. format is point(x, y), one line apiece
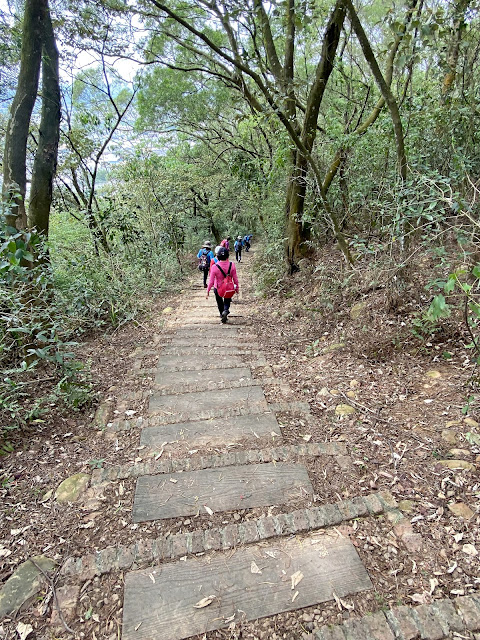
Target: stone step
point(153, 464)
point(211, 380)
point(212, 432)
point(173, 495)
point(142, 552)
point(198, 402)
point(254, 582)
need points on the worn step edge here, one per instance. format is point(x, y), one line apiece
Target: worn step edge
point(211, 385)
point(195, 463)
point(140, 422)
point(440, 619)
point(164, 548)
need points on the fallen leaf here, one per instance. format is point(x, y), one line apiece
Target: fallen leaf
point(341, 603)
point(469, 549)
point(307, 437)
point(173, 480)
point(204, 602)
point(277, 435)
point(23, 630)
point(296, 578)
point(254, 567)
point(46, 496)
point(294, 596)
point(421, 598)
point(208, 510)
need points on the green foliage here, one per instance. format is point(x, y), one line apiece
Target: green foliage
point(35, 339)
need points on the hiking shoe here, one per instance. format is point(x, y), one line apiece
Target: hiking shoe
point(224, 315)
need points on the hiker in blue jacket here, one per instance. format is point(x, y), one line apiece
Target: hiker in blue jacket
point(238, 248)
point(205, 256)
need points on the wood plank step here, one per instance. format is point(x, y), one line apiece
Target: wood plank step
point(224, 341)
point(172, 495)
point(212, 432)
point(190, 381)
point(208, 400)
point(196, 362)
point(207, 352)
point(159, 602)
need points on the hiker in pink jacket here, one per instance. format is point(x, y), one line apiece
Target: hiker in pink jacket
point(218, 272)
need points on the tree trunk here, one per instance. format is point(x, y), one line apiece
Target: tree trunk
point(298, 233)
point(14, 161)
point(384, 89)
point(454, 48)
point(45, 162)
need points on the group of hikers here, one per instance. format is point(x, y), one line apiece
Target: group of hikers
point(223, 273)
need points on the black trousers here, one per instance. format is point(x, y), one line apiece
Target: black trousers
point(205, 276)
point(223, 304)
point(238, 255)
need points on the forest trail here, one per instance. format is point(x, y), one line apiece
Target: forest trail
point(227, 573)
point(205, 389)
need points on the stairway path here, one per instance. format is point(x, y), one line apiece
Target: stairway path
point(245, 537)
point(205, 391)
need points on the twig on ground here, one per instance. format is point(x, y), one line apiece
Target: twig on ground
point(52, 587)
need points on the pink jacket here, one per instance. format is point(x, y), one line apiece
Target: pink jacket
point(216, 276)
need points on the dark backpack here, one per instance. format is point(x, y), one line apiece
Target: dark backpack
point(203, 262)
point(227, 288)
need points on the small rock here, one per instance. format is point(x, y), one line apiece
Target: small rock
point(394, 516)
point(354, 384)
point(236, 516)
point(344, 410)
point(72, 488)
point(453, 423)
point(67, 601)
point(323, 392)
point(334, 392)
point(457, 453)
point(413, 542)
point(406, 506)
point(351, 394)
point(461, 510)
point(23, 584)
point(449, 436)
point(357, 311)
point(471, 422)
point(457, 464)
point(333, 347)
point(307, 617)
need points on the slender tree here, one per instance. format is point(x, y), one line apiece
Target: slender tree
point(45, 162)
point(14, 163)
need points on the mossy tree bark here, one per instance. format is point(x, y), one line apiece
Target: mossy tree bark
point(45, 162)
point(14, 162)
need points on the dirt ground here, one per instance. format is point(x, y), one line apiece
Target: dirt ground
point(414, 404)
